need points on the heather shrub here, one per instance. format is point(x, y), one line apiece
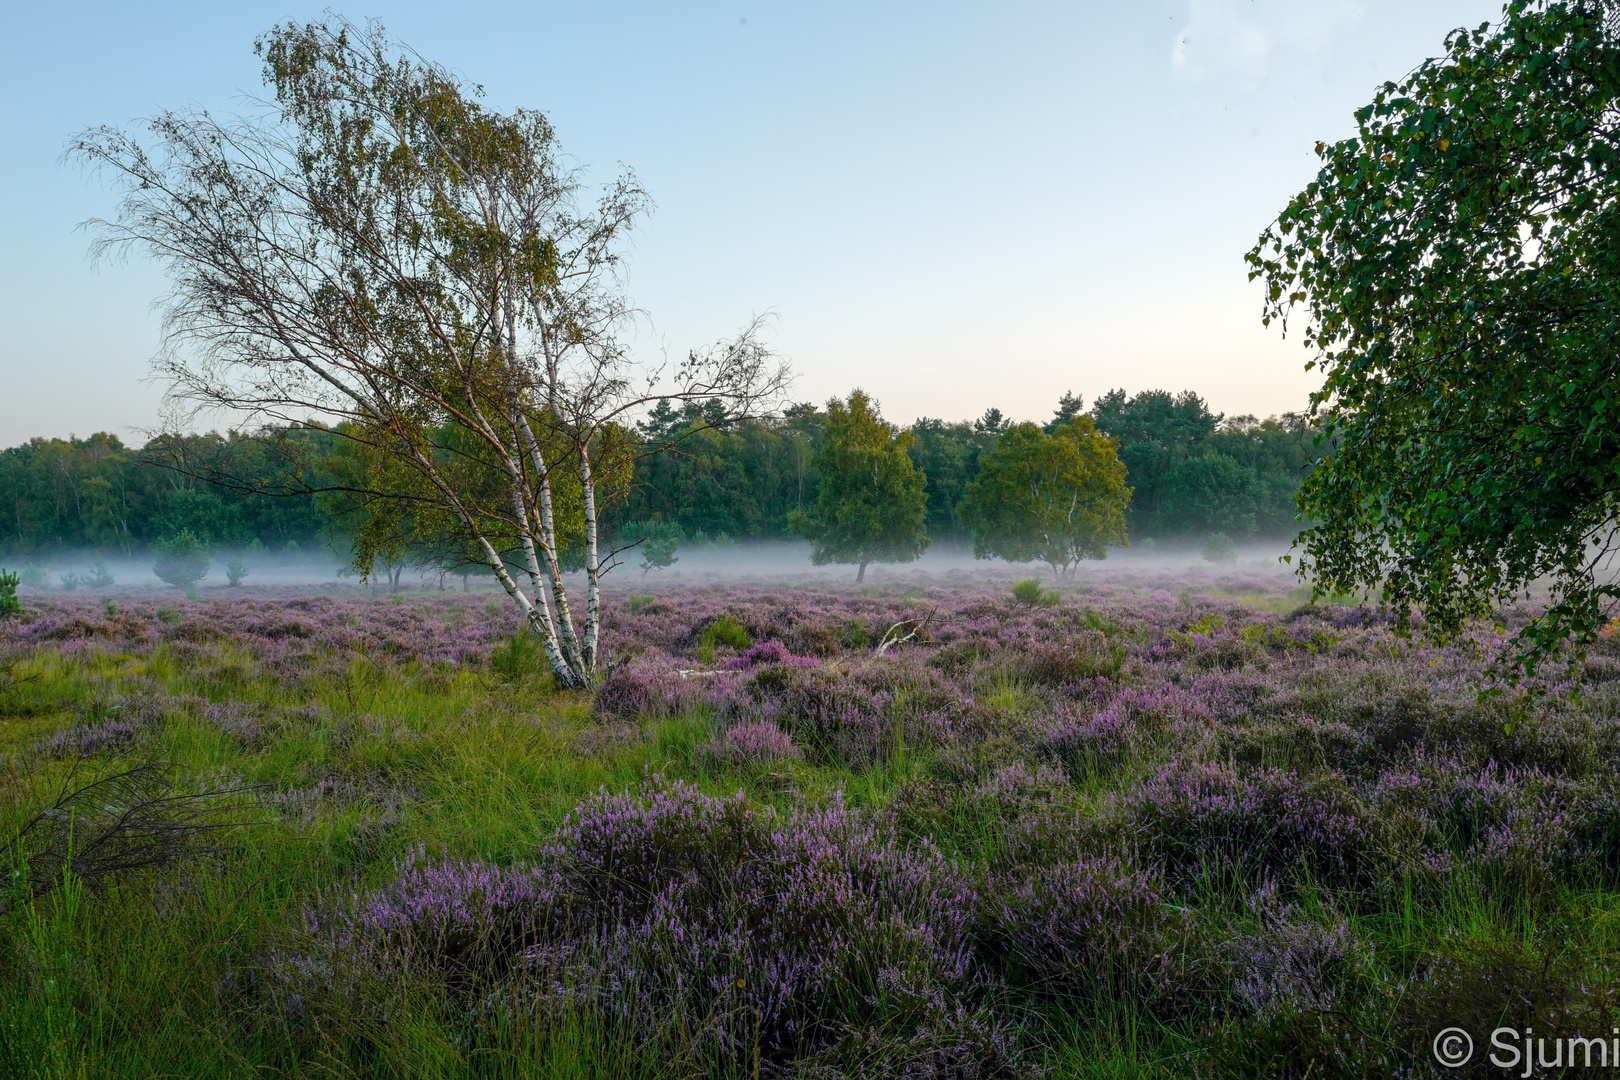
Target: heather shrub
point(770, 652)
point(1083, 928)
point(972, 815)
point(814, 639)
point(704, 927)
point(1290, 960)
point(634, 692)
point(1300, 742)
point(1210, 644)
point(747, 745)
point(834, 720)
point(1088, 656)
point(111, 728)
point(855, 718)
point(1196, 815)
point(1480, 983)
point(237, 720)
point(1089, 742)
point(1306, 994)
point(955, 658)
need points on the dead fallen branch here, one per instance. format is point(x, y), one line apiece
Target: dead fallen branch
point(893, 635)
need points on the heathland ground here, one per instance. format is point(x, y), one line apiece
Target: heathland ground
point(1145, 823)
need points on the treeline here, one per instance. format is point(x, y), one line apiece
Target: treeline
point(1193, 473)
point(59, 494)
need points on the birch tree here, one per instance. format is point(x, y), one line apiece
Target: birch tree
point(375, 250)
point(1456, 269)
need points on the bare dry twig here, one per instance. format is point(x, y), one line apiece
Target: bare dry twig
point(132, 820)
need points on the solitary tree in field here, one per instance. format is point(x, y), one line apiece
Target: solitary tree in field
point(1458, 266)
point(379, 252)
point(1057, 498)
point(873, 504)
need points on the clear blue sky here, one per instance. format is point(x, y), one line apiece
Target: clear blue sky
point(951, 205)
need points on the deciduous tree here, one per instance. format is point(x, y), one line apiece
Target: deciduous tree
point(1457, 262)
point(379, 251)
point(1056, 498)
point(873, 503)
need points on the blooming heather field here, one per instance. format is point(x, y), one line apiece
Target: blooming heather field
point(1154, 826)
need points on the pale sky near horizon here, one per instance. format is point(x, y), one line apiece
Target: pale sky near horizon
point(952, 206)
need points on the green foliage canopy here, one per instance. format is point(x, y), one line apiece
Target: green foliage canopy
point(1057, 498)
point(873, 503)
point(1193, 472)
point(697, 472)
point(1459, 260)
point(182, 559)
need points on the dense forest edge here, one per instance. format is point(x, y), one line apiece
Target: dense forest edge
point(1193, 473)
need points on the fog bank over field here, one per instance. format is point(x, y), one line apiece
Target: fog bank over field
point(770, 562)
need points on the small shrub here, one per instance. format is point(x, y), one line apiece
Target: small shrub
point(747, 745)
point(33, 577)
point(658, 553)
point(1481, 985)
point(723, 631)
point(1220, 550)
point(854, 722)
point(1261, 820)
point(631, 693)
point(9, 604)
point(71, 582)
point(1030, 593)
point(1306, 988)
point(1075, 929)
point(182, 560)
point(1099, 741)
point(1060, 664)
point(235, 571)
point(638, 602)
point(770, 652)
point(116, 727)
point(673, 916)
point(99, 577)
